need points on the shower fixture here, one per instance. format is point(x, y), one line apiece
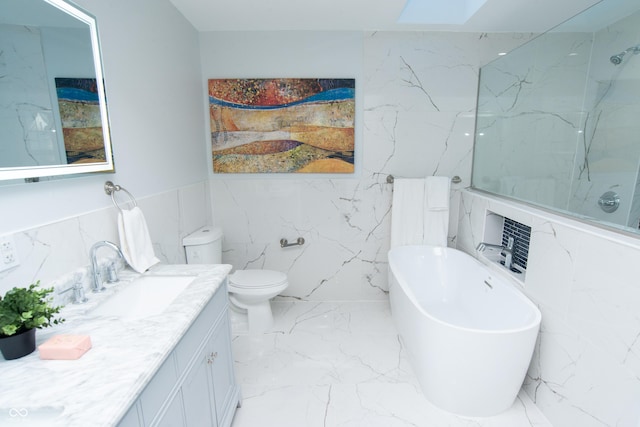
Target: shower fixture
point(617, 59)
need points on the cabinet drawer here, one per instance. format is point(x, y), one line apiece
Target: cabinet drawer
point(188, 345)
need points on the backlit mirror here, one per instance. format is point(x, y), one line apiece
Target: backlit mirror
point(558, 119)
point(53, 112)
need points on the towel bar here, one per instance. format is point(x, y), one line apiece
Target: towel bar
point(110, 188)
point(455, 180)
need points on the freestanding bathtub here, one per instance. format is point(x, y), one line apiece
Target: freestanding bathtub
point(469, 334)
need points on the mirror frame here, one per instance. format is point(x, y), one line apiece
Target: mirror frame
point(29, 172)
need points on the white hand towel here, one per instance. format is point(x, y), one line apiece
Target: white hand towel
point(407, 212)
point(436, 212)
point(437, 192)
point(135, 241)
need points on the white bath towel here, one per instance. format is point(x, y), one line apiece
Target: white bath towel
point(436, 212)
point(407, 212)
point(135, 241)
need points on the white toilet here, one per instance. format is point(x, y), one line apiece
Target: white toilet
point(250, 291)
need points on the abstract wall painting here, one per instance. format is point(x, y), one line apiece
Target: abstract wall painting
point(282, 125)
point(79, 108)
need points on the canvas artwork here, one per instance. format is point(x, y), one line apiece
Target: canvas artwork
point(282, 125)
point(81, 121)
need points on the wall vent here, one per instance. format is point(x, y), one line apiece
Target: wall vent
point(522, 235)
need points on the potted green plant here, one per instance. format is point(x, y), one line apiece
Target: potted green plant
point(22, 311)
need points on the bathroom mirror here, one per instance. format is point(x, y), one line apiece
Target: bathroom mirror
point(53, 111)
point(558, 119)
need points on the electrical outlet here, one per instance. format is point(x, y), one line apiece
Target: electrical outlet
point(8, 253)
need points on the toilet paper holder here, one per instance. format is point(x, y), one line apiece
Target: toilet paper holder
point(284, 243)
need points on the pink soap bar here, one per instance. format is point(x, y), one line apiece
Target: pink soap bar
point(65, 347)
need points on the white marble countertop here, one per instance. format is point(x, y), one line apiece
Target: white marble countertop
point(98, 388)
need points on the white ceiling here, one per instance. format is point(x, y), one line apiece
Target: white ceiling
point(370, 15)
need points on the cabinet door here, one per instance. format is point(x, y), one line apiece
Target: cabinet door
point(197, 393)
point(173, 416)
point(131, 418)
point(156, 395)
point(222, 374)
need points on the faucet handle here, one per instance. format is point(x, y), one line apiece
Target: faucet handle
point(78, 294)
point(112, 273)
point(78, 291)
point(511, 241)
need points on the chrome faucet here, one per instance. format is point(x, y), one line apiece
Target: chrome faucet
point(507, 251)
point(482, 246)
point(97, 281)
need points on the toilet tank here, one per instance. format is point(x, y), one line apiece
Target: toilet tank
point(204, 246)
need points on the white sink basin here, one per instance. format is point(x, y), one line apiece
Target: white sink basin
point(145, 296)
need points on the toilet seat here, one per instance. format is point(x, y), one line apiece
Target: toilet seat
point(257, 279)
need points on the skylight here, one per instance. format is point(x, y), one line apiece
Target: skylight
point(455, 12)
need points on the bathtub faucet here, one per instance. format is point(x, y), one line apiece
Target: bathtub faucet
point(507, 251)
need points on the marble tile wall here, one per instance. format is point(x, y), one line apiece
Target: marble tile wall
point(417, 118)
point(53, 253)
point(586, 366)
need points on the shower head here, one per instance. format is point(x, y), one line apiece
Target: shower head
point(617, 59)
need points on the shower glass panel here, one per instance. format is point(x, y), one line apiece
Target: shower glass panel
point(558, 121)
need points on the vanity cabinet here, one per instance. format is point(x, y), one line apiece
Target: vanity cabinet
point(195, 386)
point(211, 373)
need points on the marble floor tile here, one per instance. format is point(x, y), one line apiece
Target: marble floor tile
point(340, 364)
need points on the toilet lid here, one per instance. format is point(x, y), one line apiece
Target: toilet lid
point(257, 278)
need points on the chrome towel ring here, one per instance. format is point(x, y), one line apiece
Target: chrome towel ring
point(110, 188)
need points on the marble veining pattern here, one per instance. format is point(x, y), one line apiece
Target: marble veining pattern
point(341, 364)
point(586, 366)
point(49, 252)
point(416, 103)
point(97, 389)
